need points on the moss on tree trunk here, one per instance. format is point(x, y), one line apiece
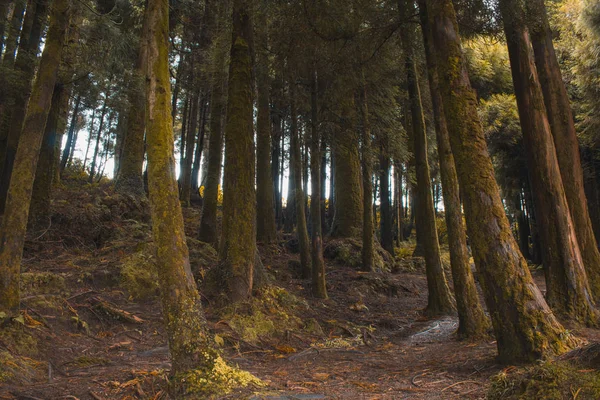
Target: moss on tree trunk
point(567, 288)
point(14, 224)
point(472, 320)
point(525, 327)
point(238, 240)
point(440, 299)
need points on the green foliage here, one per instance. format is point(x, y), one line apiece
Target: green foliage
point(35, 283)
point(488, 65)
point(138, 275)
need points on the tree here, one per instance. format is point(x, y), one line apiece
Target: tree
point(524, 326)
point(238, 239)
point(568, 291)
point(265, 214)
point(440, 299)
point(472, 320)
point(560, 117)
point(14, 224)
point(367, 174)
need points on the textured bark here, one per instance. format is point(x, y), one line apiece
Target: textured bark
point(13, 33)
point(347, 221)
point(14, 224)
point(19, 91)
point(265, 213)
point(129, 180)
point(200, 145)
point(208, 222)
point(567, 287)
point(66, 154)
point(560, 117)
point(367, 175)
point(319, 286)
point(238, 241)
point(398, 206)
point(472, 320)
point(190, 141)
point(190, 344)
point(296, 166)
point(525, 327)
point(94, 164)
point(387, 235)
point(4, 5)
point(440, 299)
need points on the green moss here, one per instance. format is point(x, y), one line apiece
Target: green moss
point(216, 380)
point(42, 283)
point(552, 380)
point(20, 370)
point(264, 316)
point(138, 275)
point(18, 338)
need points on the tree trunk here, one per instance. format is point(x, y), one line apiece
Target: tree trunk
point(290, 216)
point(398, 207)
point(296, 166)
point(319, 286)
point(265, 213)
point(525, 328)
point(13, 33)
point(98, 136)
point(472, 320)
point(387, 236)
point(20, 89)
point(560, 117)
point(238, 243)
point(367, 182)
point(190, 344)
point(4, 6)
point(208, 222)
point(440, 299)
point(14, 224)
point(567, 288)
point(347, 222)
point(66, 154)
point(190, 141)
point(200, 144)
point(129, 180)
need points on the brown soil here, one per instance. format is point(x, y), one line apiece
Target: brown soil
point(375, 343)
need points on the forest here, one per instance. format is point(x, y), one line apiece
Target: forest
point(311, 199)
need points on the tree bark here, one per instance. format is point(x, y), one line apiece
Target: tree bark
point(265, 213)
point(347, 222)
point(525, 327)
point(13, 33)
point(367, 182)
point(190, 344)
point(238, 241)
point(560, 117)
point(319, 286)
point(93, 166)
point(14, 224)
point(472, 320)
point(296, 166)
point(190, 141)
point(567, 287)
point(387, 235)
point(440, 299)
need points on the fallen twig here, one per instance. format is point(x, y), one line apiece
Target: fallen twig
point(458, 383)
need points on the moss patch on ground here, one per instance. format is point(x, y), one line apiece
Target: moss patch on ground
point(553, 380)
point(348, 252)
point(264, 316)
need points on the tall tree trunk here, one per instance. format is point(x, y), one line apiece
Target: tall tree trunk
point(276, 156)
point(13, 32)
point(66, 154)
point(265, 213)
point(290, 216)
point(183, 133)
point(190, 141)
point(472, 320)
point(14, 224)
point(319, 287)
point(208, 222)
point(200, 144)
point(93, 166)
point(567, 288)
point(89, 141)
point(190, 344)
point(398, 207)
point(331, 202)
point(4, 6)
point(347, 222)
point(560, 117)
point(238, 241)
point(129, 180)
point(440, 299)
point(296, 166)
point(323, 191)
point(525, 327)
point(20, 89)
point(367, 182)
point(387, 238)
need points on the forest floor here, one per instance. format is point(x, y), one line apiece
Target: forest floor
point(87, 333)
